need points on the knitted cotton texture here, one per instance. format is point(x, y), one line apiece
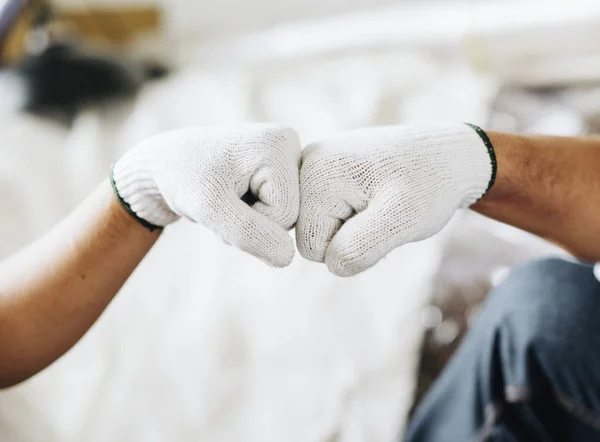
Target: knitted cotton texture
point(365, 192)
point(202, 173)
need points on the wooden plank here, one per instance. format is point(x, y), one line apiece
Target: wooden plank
point(13, 40)
point(113, 26)
point(107, 26)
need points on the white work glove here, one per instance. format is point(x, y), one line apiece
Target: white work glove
point(202, 174)
point(366, 192)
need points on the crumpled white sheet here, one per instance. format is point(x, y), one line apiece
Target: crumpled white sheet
point(204, 342)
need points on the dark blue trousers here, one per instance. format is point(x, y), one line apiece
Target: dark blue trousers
point(529, 369)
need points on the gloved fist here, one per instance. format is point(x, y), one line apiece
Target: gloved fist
point(203, 173)
point(366, 192)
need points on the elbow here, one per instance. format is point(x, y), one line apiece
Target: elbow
point(15, 367)
point(587, 257)
point(8, 380)
point(584, 254)
point(585, 251)
point(8, 383)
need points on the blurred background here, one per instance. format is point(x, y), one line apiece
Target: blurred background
point(204, 343)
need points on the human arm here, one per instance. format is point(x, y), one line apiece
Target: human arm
point(55, 289)
point(401, 184)
point(548, 186)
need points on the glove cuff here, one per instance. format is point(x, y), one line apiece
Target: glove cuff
point(474, 160)
point(490, 149)
point(126, 206)
point(132, 178)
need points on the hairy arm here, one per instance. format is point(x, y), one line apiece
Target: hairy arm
point(54, 290)
point(549, 186)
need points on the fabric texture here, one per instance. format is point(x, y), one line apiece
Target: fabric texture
point(527, 369)
point(366, 192)
point(202, 174)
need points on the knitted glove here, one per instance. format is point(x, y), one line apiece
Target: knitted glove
point(203, 173)
point(366, 192)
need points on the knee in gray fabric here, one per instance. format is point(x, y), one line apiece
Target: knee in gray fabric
point(547, 284)
point(547, 315)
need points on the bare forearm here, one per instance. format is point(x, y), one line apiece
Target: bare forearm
point(549, 186)
point(54, 290)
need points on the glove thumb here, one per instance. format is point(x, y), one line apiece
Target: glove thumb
point(365, 239)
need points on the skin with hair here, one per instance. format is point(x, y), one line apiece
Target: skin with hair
point(548, 186)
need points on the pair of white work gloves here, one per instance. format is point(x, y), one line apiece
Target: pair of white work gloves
point(353, 197)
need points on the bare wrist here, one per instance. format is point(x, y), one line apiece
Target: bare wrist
point(511, 154)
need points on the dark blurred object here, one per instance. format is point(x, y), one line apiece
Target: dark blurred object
point(470, 264)
point(61, 77)
point(62, 80)
point(461, 285)
point(549, 111)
